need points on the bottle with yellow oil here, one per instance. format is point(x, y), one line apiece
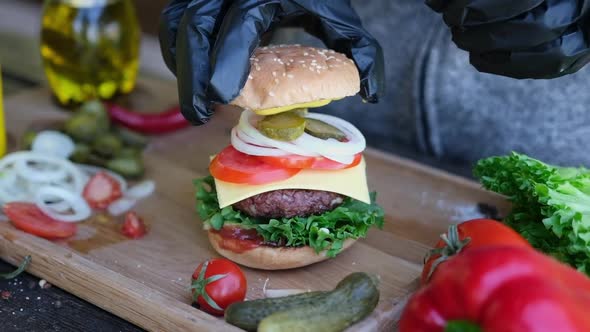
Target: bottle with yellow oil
point(2, 125)
point(90, 48)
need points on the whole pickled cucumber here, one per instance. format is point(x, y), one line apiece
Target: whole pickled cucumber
point(354, 298)
point(107, 145)
point(286, 126)
point(248, 314)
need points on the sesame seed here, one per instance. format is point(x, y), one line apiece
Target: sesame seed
point(284, 74)
point(250, 77)
point(317, 71)
point(265, 48)
point(304, 66)
point(350, 60)
point(305, 54)
point(301, 61)
point(331, 51)
point(338, 60)
point(290, 76)
point(274, 73)
point(257, 68)
point(291, 60)
point(314, 60)
point(311, 55)
point(276, 81)
point(270, 93)
point(311, 69)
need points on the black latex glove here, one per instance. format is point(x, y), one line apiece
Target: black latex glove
point(208, 43)
point(520, 38)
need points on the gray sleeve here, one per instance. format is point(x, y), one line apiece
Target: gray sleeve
point(438, 104)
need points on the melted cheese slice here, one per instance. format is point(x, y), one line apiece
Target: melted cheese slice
point(351, 182)
point(311, 104)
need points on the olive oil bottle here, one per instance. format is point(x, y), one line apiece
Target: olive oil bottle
point(90, 48)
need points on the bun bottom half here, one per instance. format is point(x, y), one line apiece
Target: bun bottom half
point(272, 258)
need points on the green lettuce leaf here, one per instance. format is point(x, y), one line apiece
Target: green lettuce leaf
point(327, 232)
point(550, 204)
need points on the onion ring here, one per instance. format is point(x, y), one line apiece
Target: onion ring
point(251, 149)
point(77, 204)
point(246, 126)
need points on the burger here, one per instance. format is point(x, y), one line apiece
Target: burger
point(290, 189)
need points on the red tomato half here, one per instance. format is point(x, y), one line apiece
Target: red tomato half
point(233, 166)
point(29, 218)
point(482, 233)
point(296, 161)
point(221, 284)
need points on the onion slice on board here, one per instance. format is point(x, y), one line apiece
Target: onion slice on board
point(78, 206)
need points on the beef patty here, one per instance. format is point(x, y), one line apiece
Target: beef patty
point(289, 203)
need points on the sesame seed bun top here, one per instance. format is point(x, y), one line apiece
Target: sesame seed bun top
point(284, 75)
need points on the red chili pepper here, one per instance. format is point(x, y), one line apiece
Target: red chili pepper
point(500, 288)
point(148, 123)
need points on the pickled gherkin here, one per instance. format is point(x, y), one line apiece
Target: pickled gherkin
point(90, 48)
point(286, 126)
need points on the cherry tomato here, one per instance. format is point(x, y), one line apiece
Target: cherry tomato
point(231, 165)
point(481, 233)
point(133, 227)
point(29, 218)
point(101, 190)
point(296, 161)
point(217, 283)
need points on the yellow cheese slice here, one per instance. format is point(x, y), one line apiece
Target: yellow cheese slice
point(351, 182)
point(311, 104)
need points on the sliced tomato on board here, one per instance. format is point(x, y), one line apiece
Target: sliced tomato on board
point(233, 166)
point(29, 218)
point(101, 190)
point(296, 161)
point(133, 227)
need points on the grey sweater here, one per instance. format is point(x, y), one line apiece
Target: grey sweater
point(437, 103)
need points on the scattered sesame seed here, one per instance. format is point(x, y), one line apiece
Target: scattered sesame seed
point(257, 68)
point(274, 74)
point(270, 93)
point(317, 71)
point(303, 65)
point(311, 69)
point(284, 74)
point(350, 60)
point(331, 51)
point(314, 61)
point(290, 76)
point(305, 54)
point(338, 60)
point(250, 77)
point(301, 61)
point(291, 60)
point(276, 81)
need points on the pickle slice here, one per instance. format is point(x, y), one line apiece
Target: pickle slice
point(322, 130)
point(286, 126)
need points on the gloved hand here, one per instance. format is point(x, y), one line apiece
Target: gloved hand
point(208, 43)
point(520, 39)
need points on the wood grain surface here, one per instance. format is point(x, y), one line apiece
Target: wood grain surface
point(146, 281)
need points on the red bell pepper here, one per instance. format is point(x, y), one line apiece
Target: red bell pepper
point(501, 289)
point(148, 123)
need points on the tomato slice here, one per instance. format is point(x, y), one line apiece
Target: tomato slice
point(29, 218)
point(296, 161)
point(233, 166)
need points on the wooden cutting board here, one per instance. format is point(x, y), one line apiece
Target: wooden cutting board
point(146, 281)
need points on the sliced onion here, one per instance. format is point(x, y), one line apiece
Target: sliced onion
point(246, 126)
point(251, 149)
point(53, 143)
point(78, 206)
point(141, 190)
point(331, 147)
point(39, 174)
point(121, 206)
point(20, 160)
